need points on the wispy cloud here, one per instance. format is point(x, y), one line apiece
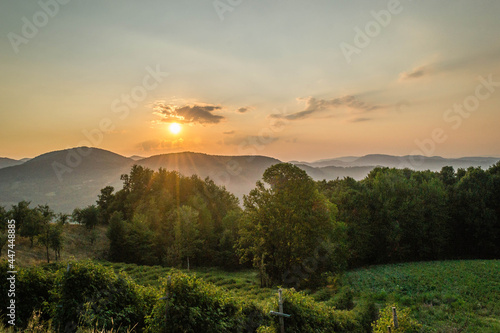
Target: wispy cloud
point(314, 105)
point(476, 60)
point(188, 114)
point(360, 119)
point(244, 109)
point(415, 73)
point(228, 132)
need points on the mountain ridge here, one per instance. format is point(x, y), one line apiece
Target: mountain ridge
point(70, 178)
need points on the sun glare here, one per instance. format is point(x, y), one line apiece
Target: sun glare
point(174, 128)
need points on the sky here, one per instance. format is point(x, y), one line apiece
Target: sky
point(294, 80)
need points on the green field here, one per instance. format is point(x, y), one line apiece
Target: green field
point(446, 296)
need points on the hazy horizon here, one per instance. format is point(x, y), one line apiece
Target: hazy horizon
point(294, 160)
point(291, 80)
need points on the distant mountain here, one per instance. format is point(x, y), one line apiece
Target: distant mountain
point(7, 162)
point(63, 179)
point(73, 178)
point(415, 162)
point(334, 172)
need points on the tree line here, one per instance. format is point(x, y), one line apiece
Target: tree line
point(39, 223)
point(396, 215)
point(295, 231)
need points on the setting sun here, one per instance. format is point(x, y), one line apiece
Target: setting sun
point(174, 128)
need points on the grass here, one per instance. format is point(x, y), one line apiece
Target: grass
point(77, 246)
point(445, 296)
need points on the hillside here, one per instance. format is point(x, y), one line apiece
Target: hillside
point(7, 162)
point(63, 179)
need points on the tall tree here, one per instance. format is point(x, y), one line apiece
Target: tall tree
point(104, 202)
point(20, 213)
point(45, 214)
point(285, 223)
point(32, 224)
point(89, 217)
point(186, 231)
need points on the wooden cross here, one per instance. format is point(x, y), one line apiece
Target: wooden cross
point(280, 314)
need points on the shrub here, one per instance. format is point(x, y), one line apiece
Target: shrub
point(31, 292)
point(343, 299)
point(91, 295)
point(406, 323)
point(310, 316)
point(197, 306)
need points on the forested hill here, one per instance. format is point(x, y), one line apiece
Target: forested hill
point(72, 178)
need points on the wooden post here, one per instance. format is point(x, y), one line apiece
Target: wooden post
point(389, 329)
point(395, 317)
point(280, 304)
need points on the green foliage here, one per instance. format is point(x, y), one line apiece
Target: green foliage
point(88, 216)
point(196, 306)
point(91, 295)
point(343, 299)
point(402, 215)
point(288, 230)
point(31, 223)
point(444, 295)
point(165, 218)
point(32, 287)
point(104, 202)
point(20, 213)
point(406, 324)
point(308, 316)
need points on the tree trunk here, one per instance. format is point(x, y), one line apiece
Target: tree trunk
point(188, 262)
point(47, 247)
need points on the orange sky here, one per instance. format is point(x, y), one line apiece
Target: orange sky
point(291, 80)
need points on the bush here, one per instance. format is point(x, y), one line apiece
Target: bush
point(93, 296)
point(197, 306)
point(406, 323)
point(343, 299)
point(31, 292)
point(309, 316)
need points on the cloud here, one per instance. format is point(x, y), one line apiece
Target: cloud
point(476, 61)
point(188, 114)
point(154, 145)
point(228, 132)
point(244, 109)
point(360, 119)
point(415, 73)
point(314, 105)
